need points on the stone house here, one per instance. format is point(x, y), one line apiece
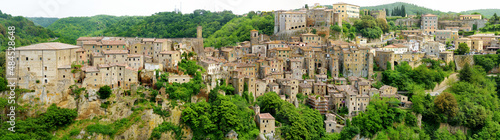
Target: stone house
point(46, 64)
point(169, 59)
point(266, 122)
point(331, 125)
point(174, 78)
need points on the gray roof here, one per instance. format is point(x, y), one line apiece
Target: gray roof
point(48, 46)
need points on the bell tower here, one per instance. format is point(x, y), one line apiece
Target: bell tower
point(254, 37)
point(199, 30)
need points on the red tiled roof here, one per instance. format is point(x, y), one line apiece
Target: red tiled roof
point(266, 116)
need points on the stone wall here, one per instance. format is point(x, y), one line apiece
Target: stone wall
point(461, 60)
point(454, 129)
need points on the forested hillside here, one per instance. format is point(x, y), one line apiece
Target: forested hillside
point(174, 25)
point(117, 28)
point(42, 21)
point(486, 12)
point(411, 9)
point(219, 28)
point(26, 31)
point(238, 29)
point(73, 27)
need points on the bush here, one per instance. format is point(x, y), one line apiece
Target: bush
point(74, 132)
point(100, 128)
point(159, 111)
point(410, 119)
point(165, 127)
point(104, 92)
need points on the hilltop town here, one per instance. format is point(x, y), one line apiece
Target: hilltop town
point(308, 62)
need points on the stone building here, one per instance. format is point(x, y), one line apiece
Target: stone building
point(475, 45)
point(259, 50)
point(356, 61)
point(322, 17)
point(169, 59)
point(408, 22)
point(388, 90)
point(231, 135)
point(289, 20)
point(411, 32)
point(346, 10)
point(45, 68)
point(486, 38)
point(135, 61)
point(385, 57)
point(305, 88)
point(266, 122)
point(432, 48)
point(446, 35)
point(318, 103)
point(446, 56)
point(459, 28)
point(213, 70)
point(113, 75)
point(229, 54)
point(396, 48)
point(470, 17)
point(331, 125)
point(463, 24)
point(174, 78)
point(429, 23)
point(311, 39)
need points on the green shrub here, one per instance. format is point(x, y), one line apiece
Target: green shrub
point(100, 128)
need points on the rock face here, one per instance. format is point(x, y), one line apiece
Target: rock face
point(453, 129)
point(141, 132)
point(89, 109)
point(175, 118)
point(119, 111)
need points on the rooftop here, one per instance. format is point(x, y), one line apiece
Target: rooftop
point(48, 46)
point(114, 51)
point(266, 116)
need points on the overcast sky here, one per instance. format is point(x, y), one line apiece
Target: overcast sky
point(67, 8)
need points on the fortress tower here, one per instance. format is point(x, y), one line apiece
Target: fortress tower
point(254, 37)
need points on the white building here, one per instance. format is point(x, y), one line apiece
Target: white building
point(396, 48)
point(433, 48)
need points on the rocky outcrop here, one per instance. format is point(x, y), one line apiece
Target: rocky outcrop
point(119, 111)
point(138, 131)
point(454, 129)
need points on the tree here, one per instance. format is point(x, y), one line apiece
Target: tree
point(488, 62)
point(494, 18)
point(463, 49)
point(153, 95)
point(403, 11)
point(466, 73)
point(269, 102)
point(104, 92)
point(336, 28)
point(418, 101)
point(349, 131)
point(313, 31)
point(3, 84)
point(447, 104)
point(382, 23)
point(306, 6)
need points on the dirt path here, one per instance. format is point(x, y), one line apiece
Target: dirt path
point(443, 85)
